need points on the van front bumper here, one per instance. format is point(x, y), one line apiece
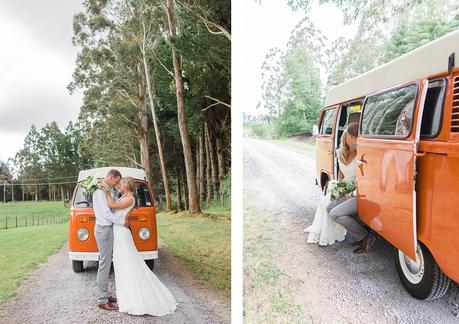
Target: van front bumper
point(94, 256)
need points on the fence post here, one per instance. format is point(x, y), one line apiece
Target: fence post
point(16, 220)
point(6, 224)
point(33, 220)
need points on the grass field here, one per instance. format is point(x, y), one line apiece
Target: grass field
point(299, 147)
point(203, 242)
point(28, 213)
point(23, 248)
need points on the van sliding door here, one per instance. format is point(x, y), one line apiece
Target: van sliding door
point(387, 149)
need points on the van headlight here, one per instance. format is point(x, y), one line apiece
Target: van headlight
point(144, 233)
point(83, 234)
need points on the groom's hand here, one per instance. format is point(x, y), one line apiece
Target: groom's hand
point(127, 224)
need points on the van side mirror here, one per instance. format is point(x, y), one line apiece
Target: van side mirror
point(315, 130)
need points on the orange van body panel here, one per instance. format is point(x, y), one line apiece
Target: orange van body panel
point(438, 193)
point(84, 217)
point(385, 192)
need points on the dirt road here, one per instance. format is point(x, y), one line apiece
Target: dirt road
point(287, 280)
point(54, 294)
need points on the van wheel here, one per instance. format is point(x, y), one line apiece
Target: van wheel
point(422, 278)
point(150, 263)
point(77, 266)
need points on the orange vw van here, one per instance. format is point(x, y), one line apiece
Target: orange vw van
point(408, 147)
point(82, 243)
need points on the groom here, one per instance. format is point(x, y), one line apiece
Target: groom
point(103, 232)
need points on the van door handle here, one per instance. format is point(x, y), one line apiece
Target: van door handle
point(361, 162)
point(419, 154)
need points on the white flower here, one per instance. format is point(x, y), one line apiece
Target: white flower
point(94, 181)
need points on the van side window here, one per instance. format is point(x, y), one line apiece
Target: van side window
point(327, 122)
point(433, 107)
point(390, 113)
point(142, 196)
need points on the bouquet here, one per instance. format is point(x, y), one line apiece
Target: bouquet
point(339, 188)
point(92, 183)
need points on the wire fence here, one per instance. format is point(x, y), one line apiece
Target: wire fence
point(9, 222)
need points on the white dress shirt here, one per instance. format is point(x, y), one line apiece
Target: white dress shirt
point(104, 215)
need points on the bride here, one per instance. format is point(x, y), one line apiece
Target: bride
point(138, 289)
point(323, 230)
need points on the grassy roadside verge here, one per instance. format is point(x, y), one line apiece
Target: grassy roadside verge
point(203, 242)
point(42, 211)
point(299, 147)
point(24, 248)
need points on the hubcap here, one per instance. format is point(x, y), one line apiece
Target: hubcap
point(412, 269)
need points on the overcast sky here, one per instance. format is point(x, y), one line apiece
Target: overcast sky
point(36, 64)
point(269, 25)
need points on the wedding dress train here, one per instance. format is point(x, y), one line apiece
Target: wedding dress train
point(138, 289)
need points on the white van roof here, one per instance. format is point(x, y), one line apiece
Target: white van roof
point(125, 172)
point(427, 60)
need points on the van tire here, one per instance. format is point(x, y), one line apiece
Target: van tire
point(433, 282)
point(150, 264)
point(77, 266)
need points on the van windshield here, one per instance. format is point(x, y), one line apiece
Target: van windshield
point(142, 197)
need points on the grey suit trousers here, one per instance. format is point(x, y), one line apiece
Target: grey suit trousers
point(344, 212)
point(104, 239)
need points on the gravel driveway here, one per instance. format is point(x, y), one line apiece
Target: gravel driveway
point(287, 280)
point(55, 294)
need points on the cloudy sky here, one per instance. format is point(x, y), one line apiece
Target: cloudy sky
point(36, 64)
point(269, 25)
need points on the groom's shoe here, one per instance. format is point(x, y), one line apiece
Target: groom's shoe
point(112, 299)
point(108, 306)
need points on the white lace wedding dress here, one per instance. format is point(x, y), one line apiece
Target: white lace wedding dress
point(138, 289)
point(323, 230)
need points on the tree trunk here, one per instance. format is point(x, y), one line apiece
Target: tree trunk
point(202, 184)
point(144, 135)
point(151, 89)
point(185, 193)
point(181, 115)
point(62, 193)
point(209, 196)
point(144, 141)
point(221, 162)
point(214, 166)
point(198, 179)
point(179, 189)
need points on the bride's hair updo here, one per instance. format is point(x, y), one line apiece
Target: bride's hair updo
point(353, 130)
point(129, 183)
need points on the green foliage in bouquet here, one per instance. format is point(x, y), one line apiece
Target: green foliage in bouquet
point(92, 183)
point(340, 188)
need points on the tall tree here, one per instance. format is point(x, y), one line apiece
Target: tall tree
point(181, 115)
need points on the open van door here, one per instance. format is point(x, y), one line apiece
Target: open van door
point(325, 144)
point(387, 151)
